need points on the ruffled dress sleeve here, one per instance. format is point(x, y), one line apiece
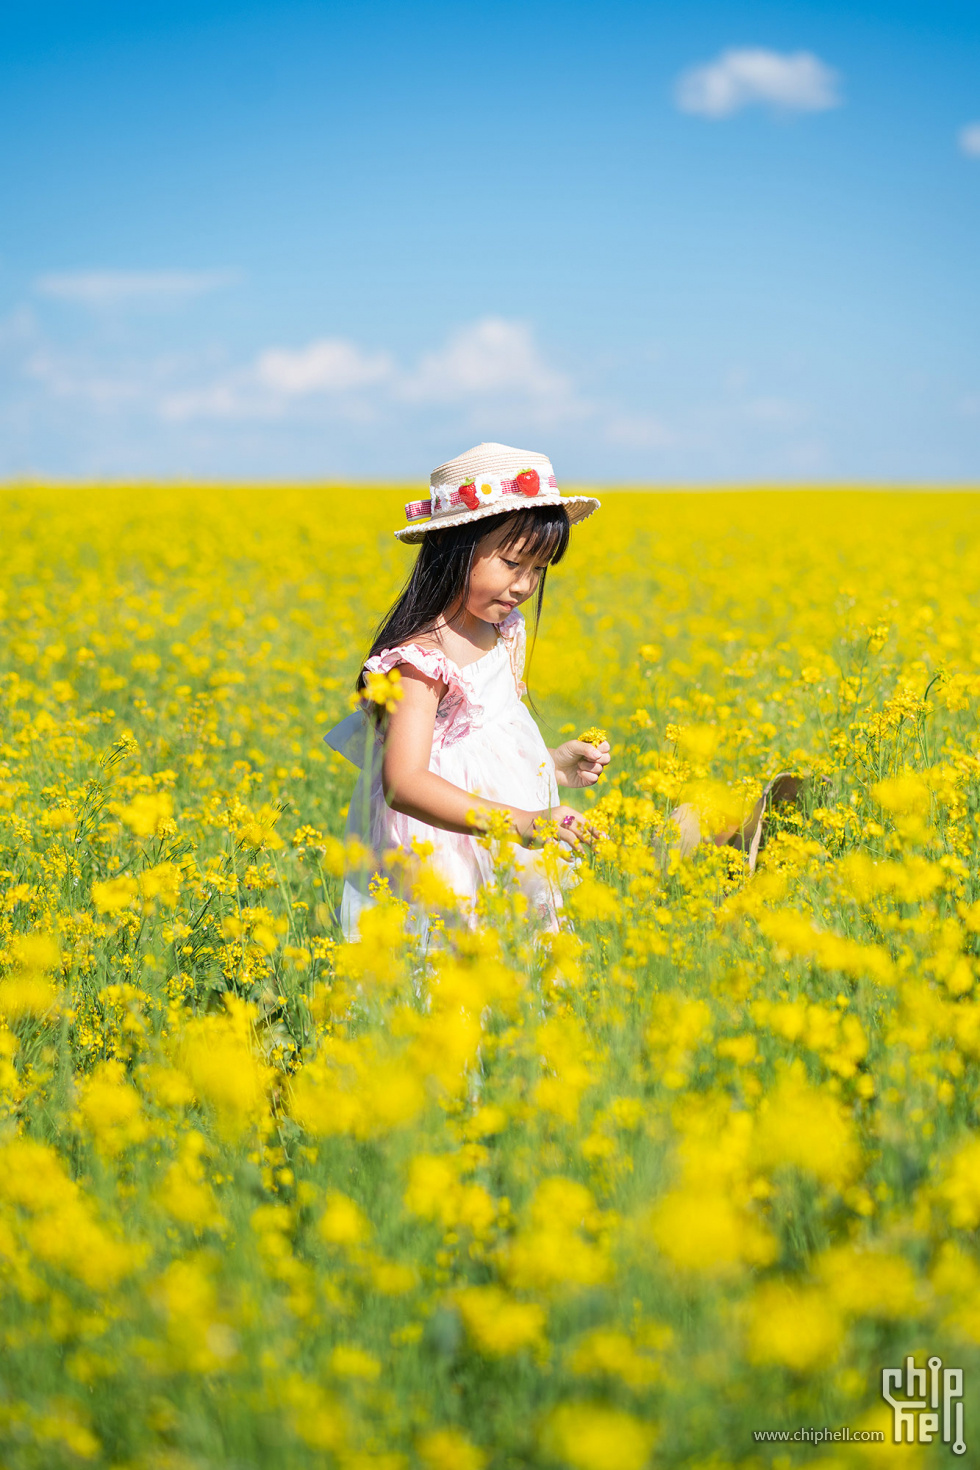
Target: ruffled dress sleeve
point(457, 712)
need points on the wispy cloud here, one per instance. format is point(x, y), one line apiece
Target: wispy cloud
point(101, 289)
point(486, 358)
point(328, 365)
point(484, 363)
point(746, 76)
point(279, 379)
point(969, 140)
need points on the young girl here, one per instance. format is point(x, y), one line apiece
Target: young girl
point(459, 740)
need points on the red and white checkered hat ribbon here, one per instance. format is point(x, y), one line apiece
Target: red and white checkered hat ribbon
point(487, 480)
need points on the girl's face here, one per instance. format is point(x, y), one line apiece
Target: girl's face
point(501, 579)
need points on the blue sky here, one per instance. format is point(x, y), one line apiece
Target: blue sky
point(665, 243)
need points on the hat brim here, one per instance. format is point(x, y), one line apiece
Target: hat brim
point(579, 508)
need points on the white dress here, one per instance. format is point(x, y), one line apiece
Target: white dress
point(486, 743)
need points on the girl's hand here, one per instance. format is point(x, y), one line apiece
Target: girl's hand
point(572, 828)
point(579, 764)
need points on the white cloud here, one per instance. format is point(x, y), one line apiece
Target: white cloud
point(488, 358)
point(969, 140)
point(269, 386)
point(492, 361)
point(121, 288)
point(740, 77)
point(329, 365)
point(223, 399)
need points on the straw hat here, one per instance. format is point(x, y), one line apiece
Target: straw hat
point(485, 481)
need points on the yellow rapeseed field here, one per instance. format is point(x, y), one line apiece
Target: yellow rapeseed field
point(699, 1166)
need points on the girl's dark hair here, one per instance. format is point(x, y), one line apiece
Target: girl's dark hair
point(440, 578)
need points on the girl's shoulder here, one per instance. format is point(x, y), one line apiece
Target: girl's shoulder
point(457, 709)
point(423, 655)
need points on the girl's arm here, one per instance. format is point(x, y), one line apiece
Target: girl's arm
point(412, 789)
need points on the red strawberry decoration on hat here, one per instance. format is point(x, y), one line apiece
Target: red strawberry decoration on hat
point(528, 482)
point(468, 495)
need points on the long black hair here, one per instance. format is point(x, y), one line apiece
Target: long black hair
point(440, 578)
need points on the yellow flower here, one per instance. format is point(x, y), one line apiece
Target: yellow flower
point(593, 900)
point(498, 1324)
point(704, 1231)
point(109, 1108)
point(62, 1228)
point(806, 1127)
point(27, 990)
point(903, 796)
point(353, 1362)
point(869, 1283)
point(449, 1449)
point(392, 1278)
point(219, 1058)
point(357, 1088)
point(698, 743)
point(161, 881)
point(435, 1192)
point(343, 1222)
point(114, 895)
point(796, 1326)
point(606, 1352)
point(567, 1052)
point(147, 812)
point(959, 1186)
point(383, 690)
point(258, 831)
point(596, 1437)
point(184, 1192)
point(200, 1340)
point(315, 1416)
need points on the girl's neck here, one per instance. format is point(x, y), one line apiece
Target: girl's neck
point(461, 632)
point(474, 629)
